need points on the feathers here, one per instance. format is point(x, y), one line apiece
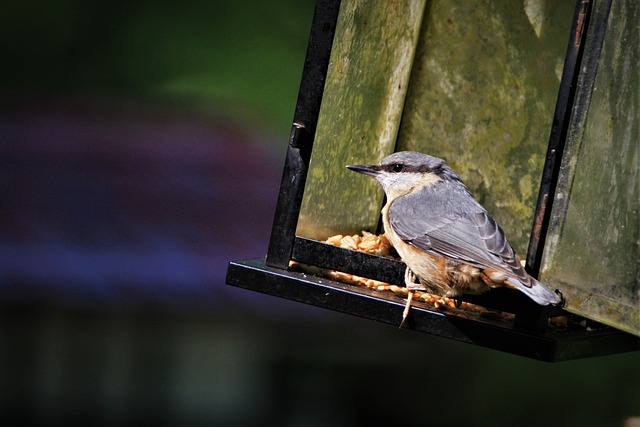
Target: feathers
point(460, 229)
point(431, 216)
point(443, 219)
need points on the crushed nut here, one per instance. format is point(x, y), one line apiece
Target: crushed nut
point(377, 245)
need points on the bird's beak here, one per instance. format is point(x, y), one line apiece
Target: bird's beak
point(367, 170)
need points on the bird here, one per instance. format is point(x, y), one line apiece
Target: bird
point(449, 242)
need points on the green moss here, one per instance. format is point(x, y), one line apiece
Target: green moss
point(360, 113)
point(592, 248)
point(482, 96)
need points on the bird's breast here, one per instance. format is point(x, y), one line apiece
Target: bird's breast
point(430, 269)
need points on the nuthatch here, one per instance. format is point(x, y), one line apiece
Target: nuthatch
point(447, 239)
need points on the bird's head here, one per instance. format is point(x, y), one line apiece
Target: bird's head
point(407, 171)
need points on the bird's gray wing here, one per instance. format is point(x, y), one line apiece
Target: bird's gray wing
point(469, 235)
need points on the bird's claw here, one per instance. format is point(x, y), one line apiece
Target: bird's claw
point(410, 281)
point(407, 307)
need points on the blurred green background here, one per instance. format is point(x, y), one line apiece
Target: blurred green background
point(242, 58)
point(141, 146)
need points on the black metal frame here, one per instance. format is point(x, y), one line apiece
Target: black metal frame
point(527, 335)
point(303, 131)
point(559, 128)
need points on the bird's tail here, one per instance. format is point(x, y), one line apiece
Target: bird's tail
point(536, 291)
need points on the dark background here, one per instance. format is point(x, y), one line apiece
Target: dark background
point(141, 148)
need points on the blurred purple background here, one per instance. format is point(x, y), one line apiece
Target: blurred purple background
point(129, 205)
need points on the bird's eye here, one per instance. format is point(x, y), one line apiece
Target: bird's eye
point(398, 167)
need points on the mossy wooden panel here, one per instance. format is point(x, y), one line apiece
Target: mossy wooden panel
point(482, 96)
point(591, 252)
point(360, 113)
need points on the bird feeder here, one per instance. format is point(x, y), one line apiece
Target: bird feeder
point(535, 104)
